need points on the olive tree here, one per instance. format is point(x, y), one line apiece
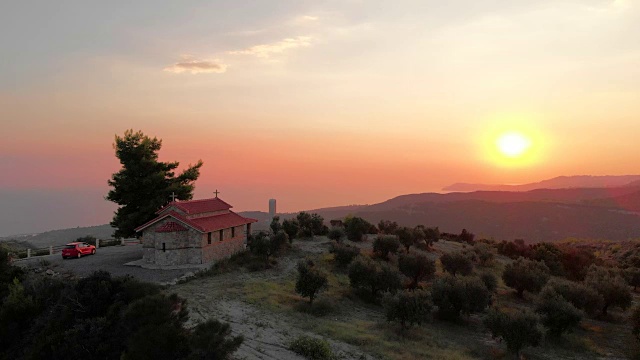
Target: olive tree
point(374, 277)
point(456, 263)
point(383, 245)
point(611, 286)
point(463, 295)
point(518, 329)
point(557, 314)
point(408, 307)
point(417, 267)
point(524, 274)
point(578, 294)
point(310, 280)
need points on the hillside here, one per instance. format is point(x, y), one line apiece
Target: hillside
point(560, 182)
point(536, 215)
point(63, 236)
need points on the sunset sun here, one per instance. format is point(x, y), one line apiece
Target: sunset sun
point(513, 144)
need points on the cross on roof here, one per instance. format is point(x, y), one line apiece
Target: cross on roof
point(173, 196)
point(216, 192)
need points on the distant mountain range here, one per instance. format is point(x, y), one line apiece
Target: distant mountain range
point(610, 211)
point(560, 182)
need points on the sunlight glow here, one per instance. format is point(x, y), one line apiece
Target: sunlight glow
point(513, 144)
point(514, 140)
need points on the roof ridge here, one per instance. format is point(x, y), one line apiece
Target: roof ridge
point(198, 200)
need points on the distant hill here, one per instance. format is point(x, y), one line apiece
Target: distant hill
point(63, 236)
point(531, 221)
point(560, 182)
point(611, 213)
point(536, 215)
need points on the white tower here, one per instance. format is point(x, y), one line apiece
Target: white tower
point(272, 207)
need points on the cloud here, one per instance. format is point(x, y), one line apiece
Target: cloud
point(305, 19)
point(195, 66)
point(267, 50)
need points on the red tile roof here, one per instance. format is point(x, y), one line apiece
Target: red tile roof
point(204, 224)
point(198, 206)
point(171, 226)
point(224, 221)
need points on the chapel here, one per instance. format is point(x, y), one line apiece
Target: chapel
point(194, 232)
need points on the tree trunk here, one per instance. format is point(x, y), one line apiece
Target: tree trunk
point(311, 299)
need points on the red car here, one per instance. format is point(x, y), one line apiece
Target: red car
point(77, 249)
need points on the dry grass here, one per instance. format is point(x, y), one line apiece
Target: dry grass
point(340, 315)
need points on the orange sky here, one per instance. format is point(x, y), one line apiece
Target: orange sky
point(315, 103)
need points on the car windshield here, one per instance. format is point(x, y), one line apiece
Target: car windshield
point(70, 247)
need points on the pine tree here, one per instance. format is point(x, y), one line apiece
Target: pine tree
point(144, 184)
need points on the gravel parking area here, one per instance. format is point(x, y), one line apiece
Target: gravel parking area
point(111, 259)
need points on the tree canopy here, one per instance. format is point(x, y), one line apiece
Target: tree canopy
point(144, 184)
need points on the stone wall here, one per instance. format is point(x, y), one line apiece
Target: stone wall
point(223, 249)
point(189, 247)
point(171, 248)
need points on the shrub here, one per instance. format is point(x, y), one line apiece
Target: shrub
point(275, 225)
point(483, 254)
point(344, 254)
point(305, 233)
point(454, 296)
point(310, 280)
point(513, 249)
point(89, 239)
point(525, 274)
point(489, 280)
point(466, 237)
point(116, 318)
point(456, 263)
point(387, 227)
point(576, 262)
point(417, 267)
point(558, 315)
point(408, 307)
point(406, 237)
point(632, 276)
point(550, 254)
point(291, 227)
point(635, 322)
point(366, 274)
point(431, 235)
point(312, 348)
point(518, 330)
point(385, 244)
point(16, 313)
point(279, 242)
point(578, 294)
point(336, 234)
point(610, 286)
point(265, 245)
point(356, 228)
point(310, 225)
point(212, 340)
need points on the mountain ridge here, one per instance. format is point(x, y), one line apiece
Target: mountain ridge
point(558, 182)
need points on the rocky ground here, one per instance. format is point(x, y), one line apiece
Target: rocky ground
point(267, 334)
